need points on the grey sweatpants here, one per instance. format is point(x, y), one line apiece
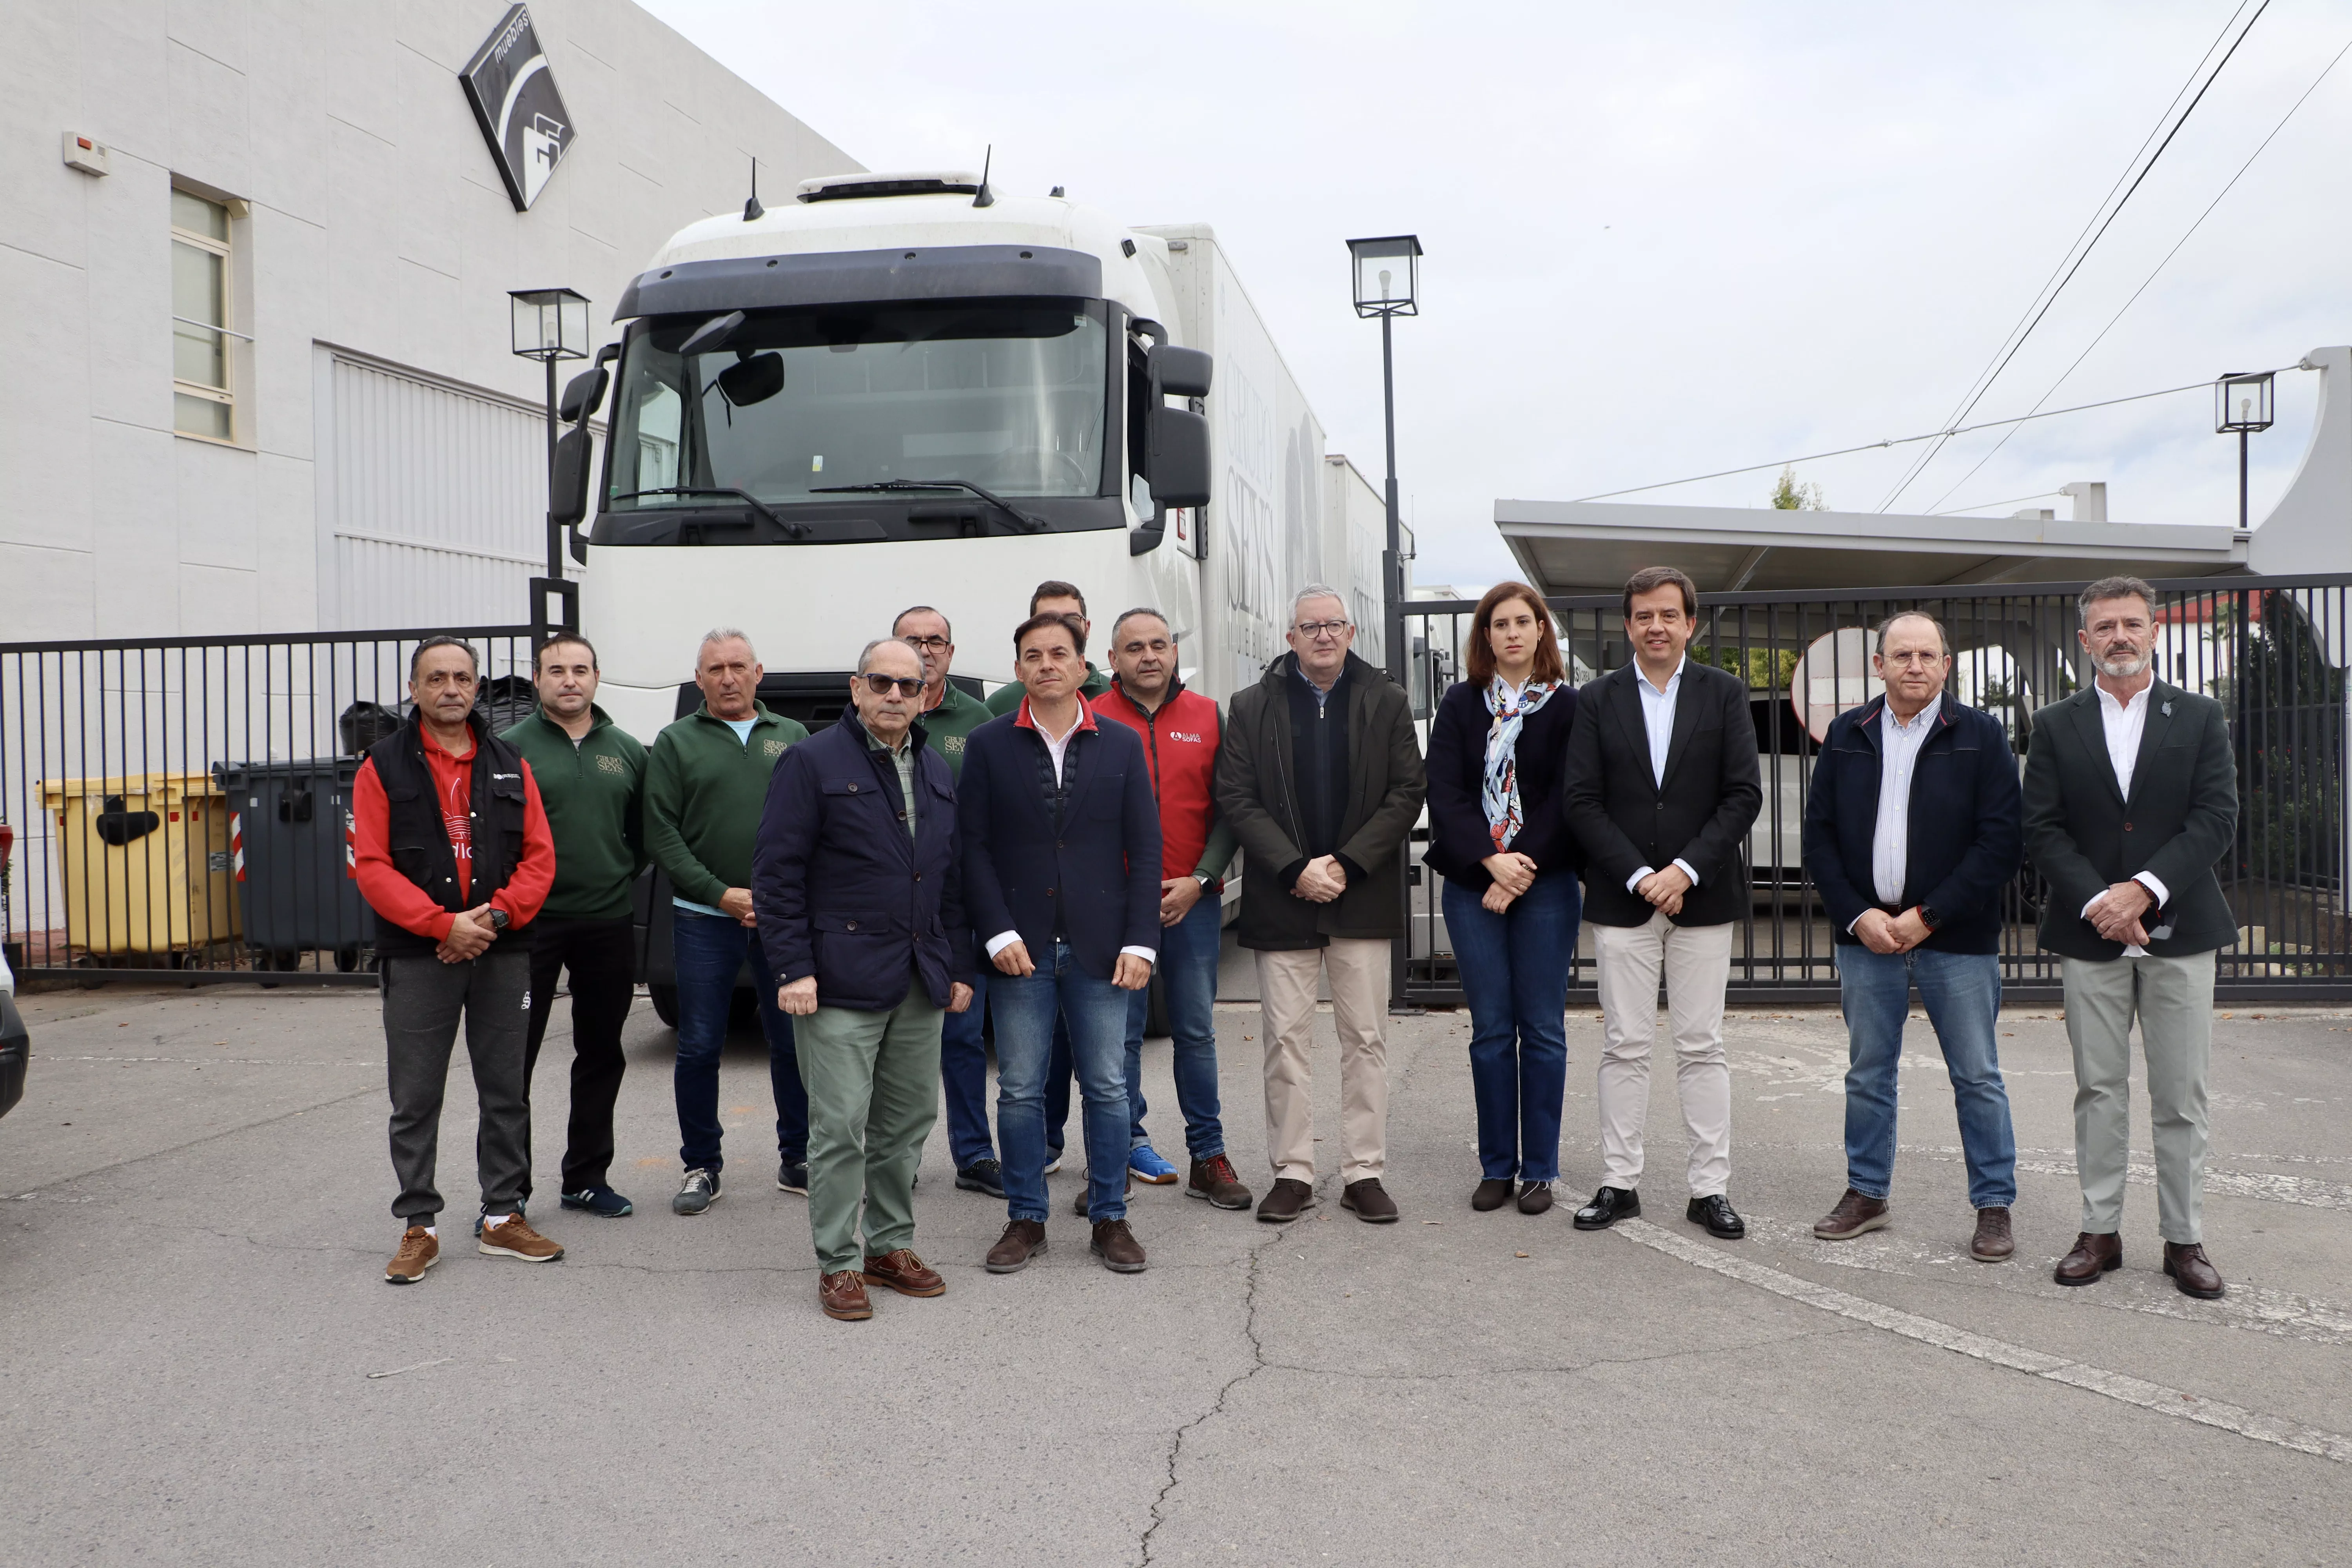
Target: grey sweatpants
point(422, 998)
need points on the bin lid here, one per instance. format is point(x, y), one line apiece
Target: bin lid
point(145, 786)
point(240, 775)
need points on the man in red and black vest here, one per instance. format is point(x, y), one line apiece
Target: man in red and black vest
point(451, 849)
point(1181, 731)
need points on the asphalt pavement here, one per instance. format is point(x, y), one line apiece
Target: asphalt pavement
point(200, 1362)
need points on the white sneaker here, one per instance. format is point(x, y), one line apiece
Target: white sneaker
point(1053, 1163)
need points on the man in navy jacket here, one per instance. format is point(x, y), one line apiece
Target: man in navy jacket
point(1913, 827)
point(856, 881)
point(1061, 847)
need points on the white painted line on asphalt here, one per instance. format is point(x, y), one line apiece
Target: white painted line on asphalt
point(2263, 1185)
point(2153, 1396)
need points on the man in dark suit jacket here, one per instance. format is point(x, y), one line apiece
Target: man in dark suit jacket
point(1061, 847)
point(855, 881)
point(1663, 786)
point(1912, 830)
point(2131, 796)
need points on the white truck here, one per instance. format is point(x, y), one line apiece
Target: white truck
point(902, 389)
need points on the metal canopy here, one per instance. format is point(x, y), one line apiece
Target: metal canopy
point(1567, 547)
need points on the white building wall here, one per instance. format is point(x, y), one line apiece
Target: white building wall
point(377, 224)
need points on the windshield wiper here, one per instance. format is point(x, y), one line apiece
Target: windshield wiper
point(791, 529)
point(1027, 524)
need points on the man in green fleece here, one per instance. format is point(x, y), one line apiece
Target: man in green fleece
point(706, 786)
point(591, 778)
point(949, 712)
point(1051, 597)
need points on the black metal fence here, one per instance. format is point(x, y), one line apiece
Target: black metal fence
point(183, 804)
point(2273, 650)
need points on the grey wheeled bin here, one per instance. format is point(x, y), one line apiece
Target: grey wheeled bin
point(290, 852)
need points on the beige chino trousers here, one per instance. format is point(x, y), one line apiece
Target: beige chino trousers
point(1286, 982)
point(1696, 964)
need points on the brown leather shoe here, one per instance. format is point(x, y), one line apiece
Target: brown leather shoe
point(1214, 1179)
point(843, 1296)
point(2192, 1271)
point(1855, 1214)
point(904, 1272)
point(1491, 1193)
point(420, 1250)
point(2093, 1255)
point(1535, 1197)
point(1369, 1200)
point(1023, 1240)
point(1289, 1198)
point(1116, 1245)
point(1992, 1244)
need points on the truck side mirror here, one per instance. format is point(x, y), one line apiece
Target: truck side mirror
point(567, 485)
point(1179, 373)
point(1180, 456)
point(583, 394)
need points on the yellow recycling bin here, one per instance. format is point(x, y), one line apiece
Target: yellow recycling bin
point(145, 860)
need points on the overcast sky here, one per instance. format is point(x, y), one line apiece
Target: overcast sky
point(1663, 241)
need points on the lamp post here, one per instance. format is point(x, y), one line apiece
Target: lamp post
point(1388, 285)
point(551, 324)
point(2241, 403)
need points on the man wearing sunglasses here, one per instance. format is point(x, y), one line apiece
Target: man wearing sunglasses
point(949, 716)
point(860, 902)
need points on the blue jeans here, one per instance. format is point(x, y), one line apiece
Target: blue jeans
point(1962, 992)
point(963, 1077)
point(1188, 970)
point(1515, 969)
point(707, 952)
point(1025, 1008)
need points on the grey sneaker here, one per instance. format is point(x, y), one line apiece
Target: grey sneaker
point(700, 1191)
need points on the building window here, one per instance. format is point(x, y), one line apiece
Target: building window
point(204, 396)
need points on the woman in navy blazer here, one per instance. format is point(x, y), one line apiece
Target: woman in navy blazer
point(1061, 847)
point(1498, 835)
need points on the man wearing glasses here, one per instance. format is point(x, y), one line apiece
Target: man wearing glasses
point(1321, 779)
point(860, 902)
point(950, 715)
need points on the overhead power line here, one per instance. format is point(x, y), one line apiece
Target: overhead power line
point(1906, 440)
point(2012, 501)
point(2082, 252)
point(2160, 266)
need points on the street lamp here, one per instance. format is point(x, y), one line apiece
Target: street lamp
point(1388, 285)
point(2241, 403)
point(551, 324)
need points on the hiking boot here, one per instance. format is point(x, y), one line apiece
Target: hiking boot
point(420, 1250)
point(1023, 1240)
point(515, 1239)
point(1214, 1179)
point(699, 1191)
point(1855, 1213)
point(843, 1296)
point(1116, 1245)
point(1288, 1200)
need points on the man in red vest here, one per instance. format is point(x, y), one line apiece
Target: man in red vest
point(1181, 731)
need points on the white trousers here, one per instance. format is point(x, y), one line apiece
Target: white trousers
point(1696, 964)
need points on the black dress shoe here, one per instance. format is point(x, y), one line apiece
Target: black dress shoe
point(1491, 1193)
point(1717, 1214)
point(1609, 1205)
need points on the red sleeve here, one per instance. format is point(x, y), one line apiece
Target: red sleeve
point(526, 888)
point(393, 896)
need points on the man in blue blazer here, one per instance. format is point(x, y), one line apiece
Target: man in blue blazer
point(1914, 827)
point(856, 882)
point(1061, 853)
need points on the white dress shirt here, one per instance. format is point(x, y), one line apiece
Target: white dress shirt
point(1058, 747)
point(1890, 847)
point(2125, 723)
point(1658, 720)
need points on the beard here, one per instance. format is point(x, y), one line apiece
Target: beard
point(2124, 668)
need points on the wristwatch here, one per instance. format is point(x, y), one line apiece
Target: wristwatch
point(1929, 917)
point(1208, 883)
point(498, 919)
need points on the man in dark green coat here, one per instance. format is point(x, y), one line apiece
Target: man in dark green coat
point(590, 777)
point(706, 785)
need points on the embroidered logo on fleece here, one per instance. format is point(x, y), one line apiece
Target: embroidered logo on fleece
point(610, 764)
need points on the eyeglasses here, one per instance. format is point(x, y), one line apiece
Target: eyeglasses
point(927, 645)
point(880, 685)
point(1314, 629)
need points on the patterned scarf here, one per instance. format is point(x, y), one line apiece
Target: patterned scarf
point(1499, 793)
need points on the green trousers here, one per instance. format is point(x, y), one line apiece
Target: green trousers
point(873, 1083)
point(2173, 999)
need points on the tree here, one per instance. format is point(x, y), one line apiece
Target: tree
point(1788, 495)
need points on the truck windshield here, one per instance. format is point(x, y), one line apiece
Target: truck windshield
point(1009, 395)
